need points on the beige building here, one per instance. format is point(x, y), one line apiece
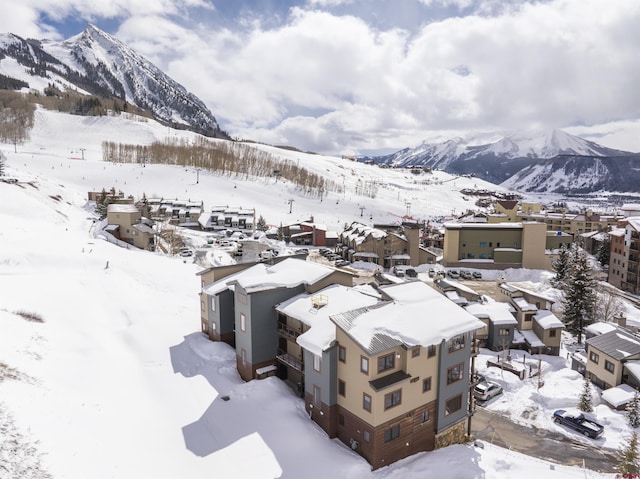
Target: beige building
point(501, 245)
point(624, 257)
point(126, 223)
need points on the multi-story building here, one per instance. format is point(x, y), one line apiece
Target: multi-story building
point(222, 218)
point(501, 245)
point(624, 257)
point(386, 246)
point(403, 371)
point(126, 223)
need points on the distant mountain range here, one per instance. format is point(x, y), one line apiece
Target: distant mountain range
point(96, 63)
point(543, 161)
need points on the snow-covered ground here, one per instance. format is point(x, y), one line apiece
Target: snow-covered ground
point(117, 382)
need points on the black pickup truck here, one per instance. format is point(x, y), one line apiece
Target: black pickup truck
point(578, 421)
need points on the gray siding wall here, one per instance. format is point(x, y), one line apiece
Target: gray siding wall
point(261, 338)
point(461, 387)
point(497, 342)
point(326, 379)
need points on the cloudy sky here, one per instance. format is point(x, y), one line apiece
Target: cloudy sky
point(371, 76)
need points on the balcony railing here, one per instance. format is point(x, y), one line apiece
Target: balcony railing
point(289, 360)
point(288, 331)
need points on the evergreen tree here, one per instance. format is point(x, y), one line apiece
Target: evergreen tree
point(262, 224)
point(579, 298)
point(633, 411)
point(101, 204)
point(586, 401)
point(604, 250)
point(561, 266)
point(629, 462)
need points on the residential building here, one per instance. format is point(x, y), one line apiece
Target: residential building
point(225, 218)
point(126, 223)
point(538, 329)
point(403, 374)
point(500, 324)
point(249, 298)
point(624, 258)
point(387, 246)
point(618, 256)
point(183, 213)
point(308, 233)
point(501, 245)
point(613, 358)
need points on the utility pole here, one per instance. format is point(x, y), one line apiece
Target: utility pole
point(82, 150)
point(290, 204)
point(362, 208)
point(197, 175)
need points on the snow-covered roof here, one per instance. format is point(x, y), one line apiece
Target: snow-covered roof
point(633, 368)
point(532, 338)
point(417, 315)
point(484, 226)
point(529, 292)
point(287, 274)
point(456, 298)
point(223, 283)
point(600, 327)
point(121, 208)
point(314, 311)
point(547, 320)
point(143, 228)
point(497, 312)
point(619, 395)
point(524, 305)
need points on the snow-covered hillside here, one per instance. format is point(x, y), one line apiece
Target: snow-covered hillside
point(59, 140)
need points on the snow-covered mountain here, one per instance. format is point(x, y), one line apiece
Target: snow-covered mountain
point(94, 62)
point(548, 160)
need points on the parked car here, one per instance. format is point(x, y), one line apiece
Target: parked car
point(411, 273)
point(399, 272)
point(453, 274)
point(486, 390)
point(578, 421)
point(465, 274)
point(432, 272)
point(185, 252)
point(477, 275)
point(342, 262)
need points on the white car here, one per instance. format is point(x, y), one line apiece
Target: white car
point(486, 390)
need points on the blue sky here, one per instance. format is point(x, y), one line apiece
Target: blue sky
point(363, 76)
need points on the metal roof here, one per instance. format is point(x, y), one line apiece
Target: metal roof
point(618, 344)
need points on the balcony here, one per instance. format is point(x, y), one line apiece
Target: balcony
point(288, 331)
point(291, 361)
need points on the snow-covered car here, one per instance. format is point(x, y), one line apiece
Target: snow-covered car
point(453, 274)
point(477, 275)
point(486, 390)
point(432, 272)
point(578, 421)
point(185, 252)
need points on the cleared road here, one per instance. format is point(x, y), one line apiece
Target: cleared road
point(499, 430)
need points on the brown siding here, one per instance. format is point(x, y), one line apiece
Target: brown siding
point(415, 436)
point(325, 416)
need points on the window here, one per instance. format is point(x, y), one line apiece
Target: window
point(342, 387)
point(594, 357)
point(317, 396)
point(452, 405)
point(366, 436)
point(431, 351)
point(552, 333)
point(425, 416)
point(392, 399)
point(386, 362)
point(503, 332)
point(201, 305)
point(392, 433)
point(316, 363)
point(609, 366)
point(342, 354)
point(366, 402)
point(483, 244)
point(456, 343)
point(528, 317)
point(415, 352)
point(426, 385)
point(213, 304)
point(364, 364)
point(455, 373)
point(243, 322)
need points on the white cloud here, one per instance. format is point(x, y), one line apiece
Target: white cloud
point(333, 83)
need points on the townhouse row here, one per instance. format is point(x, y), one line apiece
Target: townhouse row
point(386, 370)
